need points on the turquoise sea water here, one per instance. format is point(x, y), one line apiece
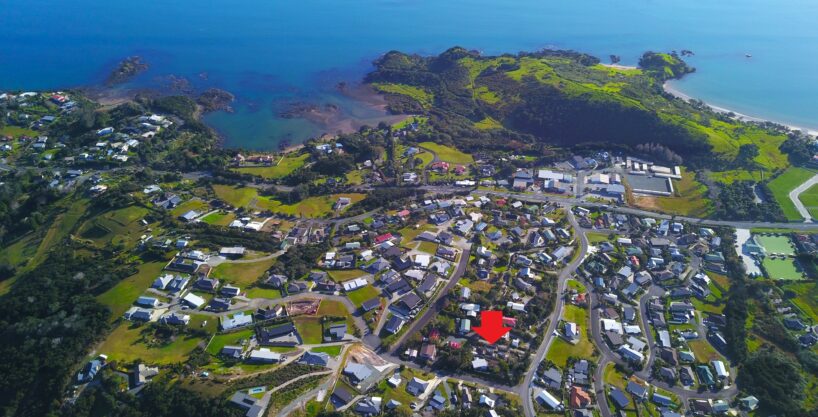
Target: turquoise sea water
point(269, 52)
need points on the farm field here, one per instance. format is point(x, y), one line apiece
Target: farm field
point(219, 218)
point(786, 182)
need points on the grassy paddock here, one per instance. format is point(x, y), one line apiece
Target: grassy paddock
point(447, 153)
point(786, 182)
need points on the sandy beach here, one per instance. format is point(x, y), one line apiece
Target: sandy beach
point(736, 115)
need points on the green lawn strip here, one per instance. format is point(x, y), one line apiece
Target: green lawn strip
point(194, 204)
point(219, 218)
point(428, 247)
point(786, 182)
point(342, 275)
point(119, 298)
point(334, 350)
point(260, 292)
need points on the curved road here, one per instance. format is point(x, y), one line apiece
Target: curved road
point(524, 389)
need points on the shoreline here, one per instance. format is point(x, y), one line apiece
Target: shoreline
point(670, 89)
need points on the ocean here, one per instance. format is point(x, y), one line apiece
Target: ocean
point(271, 53)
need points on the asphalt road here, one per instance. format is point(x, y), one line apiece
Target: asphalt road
point(524, 389)
point(435, 305)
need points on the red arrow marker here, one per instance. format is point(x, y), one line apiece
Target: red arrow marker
point(491, 328)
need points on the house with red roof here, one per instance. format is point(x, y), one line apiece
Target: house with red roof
point(383, 238)
point(578, 398)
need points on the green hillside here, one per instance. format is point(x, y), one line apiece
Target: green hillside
point(567, 98)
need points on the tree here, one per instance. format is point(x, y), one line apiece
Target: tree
point(775, 379)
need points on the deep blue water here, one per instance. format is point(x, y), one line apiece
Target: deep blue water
point(272, 51)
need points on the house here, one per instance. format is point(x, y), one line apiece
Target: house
point(314, 359)
point(369, 407)
point(264, 355)
point(206, 284)
point(640, 392)
point(552, 378)
point(175, 319)
point(149, 302)
point(748, 403)
point(219, 304)
point(357, 372)
point(428, 352)
point(480, 364)
point(371, 304)
point(236, 321)
point(335, 332)
point(407, 305)
point(662, 400)
point(394, 325)
point(619, 398)
point(280, 335)
point(193, 300)
point(578, 398)
point(143, 373)
point(230, 291)
point(89, 371)
point(233, 352)
point(416, 386)
point(547, 400)
point(341, 397)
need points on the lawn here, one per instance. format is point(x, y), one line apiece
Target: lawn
point(810, 200)
point(703, 351)
point(362, 294)
point(62, 226)
point(329, 350)
point(561, 350)
point(777, 244)
point(228, 339)
point(613, 377)
point(259, 292)
point(447, 153)
point(786, 182)
point(309, 327)
point(428, 247)
point(235, 196)
point(342, 275)
point(193, 204)
point(597, 237)
point(242, 274)
point(16, 131)
point(409, 233)
point(119, 298)
point(786, 269)
point(219, 218)
point(284, 166)
point(806, 298)
point(126, 344)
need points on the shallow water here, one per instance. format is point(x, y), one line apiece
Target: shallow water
point(269, 52)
